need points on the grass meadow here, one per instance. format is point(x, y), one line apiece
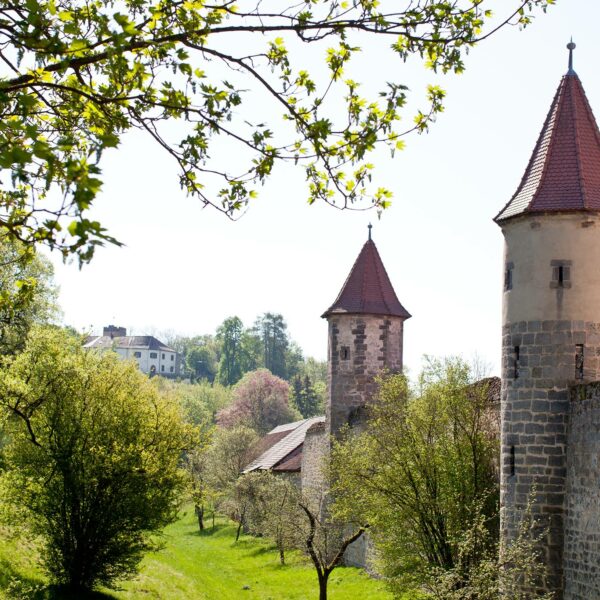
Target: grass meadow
point(196, 566)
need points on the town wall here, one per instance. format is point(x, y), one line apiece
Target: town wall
point(315, 453)
point(582, 523)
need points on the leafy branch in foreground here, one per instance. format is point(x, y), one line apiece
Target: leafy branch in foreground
point(75, 76)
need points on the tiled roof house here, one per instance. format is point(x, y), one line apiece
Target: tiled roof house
point(152, 356)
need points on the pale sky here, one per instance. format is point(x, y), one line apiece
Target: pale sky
point(186, 269)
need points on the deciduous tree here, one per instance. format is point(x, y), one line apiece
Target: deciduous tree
point(423, 471)
point(326, 540)
point(274, 509)
point(76, 76)
point(27, 293)
point(260, 401)
point(229, 454)
point(93, 457)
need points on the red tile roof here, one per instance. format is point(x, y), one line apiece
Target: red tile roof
point(368, 289)
point(563, 174)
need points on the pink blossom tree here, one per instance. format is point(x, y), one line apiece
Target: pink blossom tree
point(260, 401)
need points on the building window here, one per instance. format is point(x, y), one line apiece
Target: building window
point(163, 356)
point(172, 357)
point(579, 361)
point(512, 460)
point(516, 358)
point(561, 274)
point(345, 353)
point(508, 276)
point(162, 367)
point(153, 355)
point(171, 369)
point(137, 354)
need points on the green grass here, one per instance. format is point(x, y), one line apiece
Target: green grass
point(209, 566)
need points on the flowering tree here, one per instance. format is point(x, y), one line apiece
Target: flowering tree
point(260, 401)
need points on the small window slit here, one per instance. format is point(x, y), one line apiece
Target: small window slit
point(579, 359)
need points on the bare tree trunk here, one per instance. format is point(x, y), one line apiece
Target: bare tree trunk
point(239, 530)
point(213, 519)
point(323, 579)
point(323, 568)
point(200, 514)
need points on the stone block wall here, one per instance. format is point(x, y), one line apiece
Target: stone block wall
point(539, 364)
point(360, 553)
point(582, 524)
point(315, 452)
point(360, 347)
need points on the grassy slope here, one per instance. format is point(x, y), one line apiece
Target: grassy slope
point(212, 566)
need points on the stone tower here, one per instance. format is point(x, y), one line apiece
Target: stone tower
point(551, 320)
point(366, 324)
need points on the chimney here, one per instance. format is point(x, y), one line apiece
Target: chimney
point(113, 331)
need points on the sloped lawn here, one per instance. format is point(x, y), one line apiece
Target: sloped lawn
point(207, 566)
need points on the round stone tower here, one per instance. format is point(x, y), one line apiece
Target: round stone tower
point(366, 325)
point(551, 316)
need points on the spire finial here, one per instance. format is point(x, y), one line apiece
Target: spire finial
point(370, 227)
point(571, 46)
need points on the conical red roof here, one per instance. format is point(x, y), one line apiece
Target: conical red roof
point(563, 174)
point(368, 289)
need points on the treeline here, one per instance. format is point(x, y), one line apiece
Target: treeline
point(236, 349)
point(223, 359)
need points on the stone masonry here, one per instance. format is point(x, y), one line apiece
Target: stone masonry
point(582, 526)
point(360, 348)
point(541, 359)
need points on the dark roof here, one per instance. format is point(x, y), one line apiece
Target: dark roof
point(368, 289)
point(266, 443)
point(280, 444)
point(292, 462)
point(128, 341)
point(563, 174)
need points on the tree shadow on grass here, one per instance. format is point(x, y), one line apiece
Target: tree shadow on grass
point(261, 550)
point(15, 583)
point(55, 592)
point(208, 531)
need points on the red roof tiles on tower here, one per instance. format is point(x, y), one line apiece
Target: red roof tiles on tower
point(368, 289)
point(563, 174)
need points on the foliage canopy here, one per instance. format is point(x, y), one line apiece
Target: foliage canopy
point(78, 75)
point(260, 401)
point(93, 457)
point(423, 471)
point(27, 293)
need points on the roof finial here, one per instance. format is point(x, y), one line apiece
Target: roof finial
point(571, 46)
point(370, 227)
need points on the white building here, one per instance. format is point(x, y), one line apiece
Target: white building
point(152, 356)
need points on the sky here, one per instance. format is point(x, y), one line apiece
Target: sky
point(185, 268)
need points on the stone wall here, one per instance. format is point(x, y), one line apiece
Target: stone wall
point(535, 416)
point(582, 524)
point(361, 553)
point(315, 452)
